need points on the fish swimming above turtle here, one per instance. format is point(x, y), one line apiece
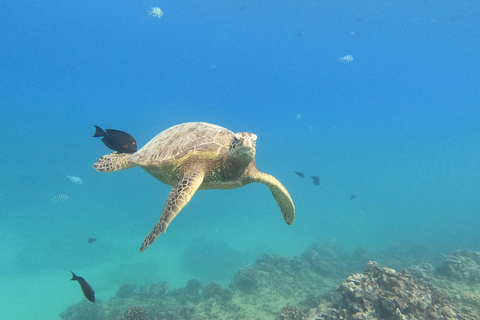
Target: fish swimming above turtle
point(316, 180)
point(195, 156)
point(117, 140)
point(300, 174)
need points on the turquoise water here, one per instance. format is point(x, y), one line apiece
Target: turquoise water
point(397, 126)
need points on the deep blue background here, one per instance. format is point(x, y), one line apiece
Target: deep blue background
point(398, 126)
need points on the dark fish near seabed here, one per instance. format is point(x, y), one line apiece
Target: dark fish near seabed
point(117, 140)
point(301, 175)
point(353, 196)
point(90, 240)
point(316, 180)
point(86, 288)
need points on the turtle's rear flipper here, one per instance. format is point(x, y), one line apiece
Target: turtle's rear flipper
point(114, 162)
point(176, 201)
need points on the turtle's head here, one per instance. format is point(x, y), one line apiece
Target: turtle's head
point(242, 148)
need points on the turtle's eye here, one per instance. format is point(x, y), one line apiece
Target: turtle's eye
point(238, 137)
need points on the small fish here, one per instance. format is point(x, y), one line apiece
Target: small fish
point(60, 198)
point(86, 288)
point(301, 175)
point(117, 140)
point(353, 196)
point(76, 180)
point(346, 59)
point(90, 240)
point(316, 180)
point(156, 12)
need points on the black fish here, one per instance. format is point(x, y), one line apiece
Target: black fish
point(90, 240)
point(117, 140)
point(87, 290)
point(316, 180)
point(353, 196)
point(301, 175)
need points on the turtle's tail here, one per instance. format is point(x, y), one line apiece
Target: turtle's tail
point(280, 193)
point(114, 162)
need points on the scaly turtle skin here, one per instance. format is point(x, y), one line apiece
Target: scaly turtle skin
point(195, 156)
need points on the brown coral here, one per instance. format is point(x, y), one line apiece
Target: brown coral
point(135, 313)
point(290, 313)
point(461, 265)
point(383, 293)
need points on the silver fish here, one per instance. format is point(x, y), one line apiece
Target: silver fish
point(156, 12)
point(346, 59)
point(60, 198)
point(76, 180)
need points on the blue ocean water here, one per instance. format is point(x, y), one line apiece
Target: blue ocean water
point(398, 127)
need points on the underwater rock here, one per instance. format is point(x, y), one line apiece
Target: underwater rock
point(135, 313)
point(158, 289)
point(215, 290)
point(186, 312)
point(326, 260)
point(244, 280)
point(188, 294)
point(270, 270)
point(126, 290)
point(291, 313)
point(193, 286)
point(461, 265)
point(281, 288)
point(422, 271)
point(85, 310)
point(383, 293)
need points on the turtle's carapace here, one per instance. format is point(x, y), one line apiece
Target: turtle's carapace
point(86, 288)
point(117, 140)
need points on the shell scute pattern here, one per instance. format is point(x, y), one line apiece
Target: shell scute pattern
point(175, 143)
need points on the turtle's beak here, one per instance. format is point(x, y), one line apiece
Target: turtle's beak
point(246, 140)
point(246, 144)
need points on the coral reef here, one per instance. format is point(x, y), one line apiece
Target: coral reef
point(383, 293)
point(215, 290)
point(306, 288)
point(259, 291)
point(457, 276)
point(135, 313)
point(126, 290)
point(461, 265)
point(325, 261)
point(291, 313)
point(85, 310)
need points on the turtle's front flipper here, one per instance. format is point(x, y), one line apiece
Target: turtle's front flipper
point(280, 194)
point(176, 201)
point(113, 162)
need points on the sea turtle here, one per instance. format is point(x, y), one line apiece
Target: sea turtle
point(194, 156)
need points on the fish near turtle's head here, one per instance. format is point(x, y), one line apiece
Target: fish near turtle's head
point(243, 146)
